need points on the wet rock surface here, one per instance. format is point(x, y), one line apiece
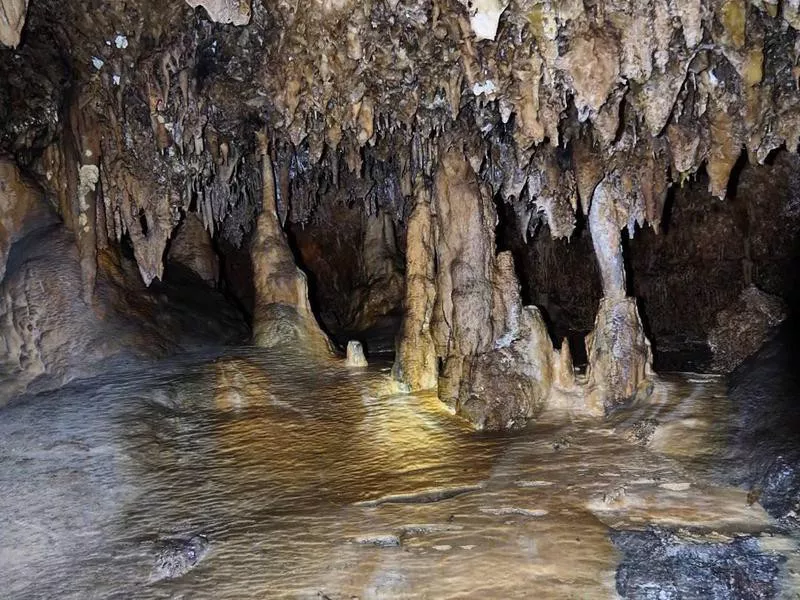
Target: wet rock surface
point(304, 480)
point(177, 556)
point(765, 450)
point(743, 327)
point(659, 564)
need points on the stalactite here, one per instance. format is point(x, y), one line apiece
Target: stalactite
point(12, 19)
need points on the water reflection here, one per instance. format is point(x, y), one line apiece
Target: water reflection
point(311, 481)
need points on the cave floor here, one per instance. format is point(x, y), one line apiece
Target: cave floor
point(252, 475)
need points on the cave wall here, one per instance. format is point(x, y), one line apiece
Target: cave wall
point(355, 268)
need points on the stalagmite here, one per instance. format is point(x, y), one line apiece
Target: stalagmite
point(496, 354)
point(355, 355)
point(282, 315)
point(416, 364)
point(464, 255)
point(620, 359)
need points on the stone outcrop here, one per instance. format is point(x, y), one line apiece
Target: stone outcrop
point(192, 248)
point(282, 315)
point(743, 327)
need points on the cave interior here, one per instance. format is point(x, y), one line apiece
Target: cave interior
point(527, 214)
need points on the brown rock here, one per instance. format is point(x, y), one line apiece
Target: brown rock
point(416, 364)
point(620, 358)
point(743, 327)
point(506, 387)
point(192, 248)
point(22, 209)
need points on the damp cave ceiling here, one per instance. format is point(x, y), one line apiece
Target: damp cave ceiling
point(546, 99)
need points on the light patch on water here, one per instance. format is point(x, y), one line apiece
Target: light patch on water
point(310, 482)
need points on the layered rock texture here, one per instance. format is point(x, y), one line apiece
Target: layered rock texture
point(436, 124)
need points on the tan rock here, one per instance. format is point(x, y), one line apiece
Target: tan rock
point(620, 358)
point(12, 20)
point(282, 315)
point(592, 63)
point(192, 248)
point(355, 355)
point(416, 363)
point(236, 12)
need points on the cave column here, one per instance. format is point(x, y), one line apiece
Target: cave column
point(282, 315)
point(463, 307)
point(620, 358)
point(416, 364)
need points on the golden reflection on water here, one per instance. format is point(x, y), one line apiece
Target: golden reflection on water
point(312, 481)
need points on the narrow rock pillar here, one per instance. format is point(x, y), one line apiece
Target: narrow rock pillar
point(282, 315)
point(416, 363)
point(620, 358)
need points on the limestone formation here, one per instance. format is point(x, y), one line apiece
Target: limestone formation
point(49, 333)
point(435, 124)
point(416, 363)
point(192, 248)
point(507, 386)
point(743, 327)
point(355, 355)
point(620, 359)
point(12, 19)
point(21, 209)
point(236, 12)
point(282, 313)
point(463, 308)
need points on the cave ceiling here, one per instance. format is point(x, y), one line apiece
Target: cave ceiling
point(149, 109)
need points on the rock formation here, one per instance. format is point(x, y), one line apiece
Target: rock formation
point(49, 333)
point(12, 19)
point(282, 314)
point(620, 360)
point(463, 307)
point(192, 248)
point(743, 327)
point(355, 355)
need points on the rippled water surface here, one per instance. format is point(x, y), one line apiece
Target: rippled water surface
point(303, 481)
